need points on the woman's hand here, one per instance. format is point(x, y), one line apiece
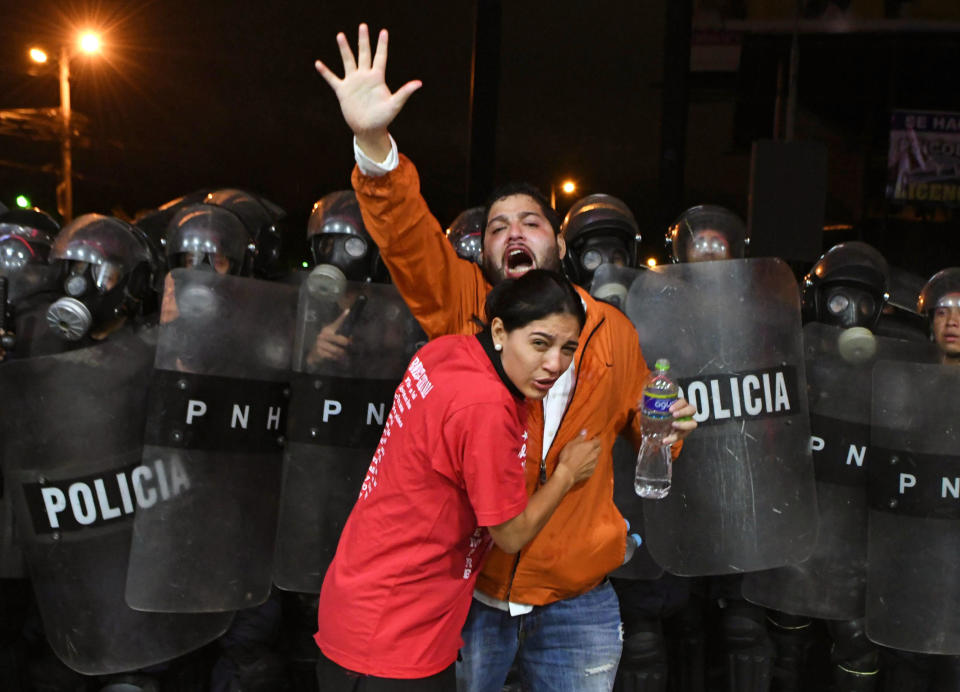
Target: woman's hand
point(366, 102)
point(683, 423)
point(579, 457)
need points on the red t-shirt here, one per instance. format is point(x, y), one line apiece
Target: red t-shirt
point(450, 462)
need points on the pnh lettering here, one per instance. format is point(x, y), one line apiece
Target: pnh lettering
point(949, 487)
point(239, 416)
point(856, 454)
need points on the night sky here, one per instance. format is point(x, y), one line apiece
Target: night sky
point(224, 94)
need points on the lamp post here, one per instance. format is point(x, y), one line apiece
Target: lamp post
point(567, 187)
point(88, 43)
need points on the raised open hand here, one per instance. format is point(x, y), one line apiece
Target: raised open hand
point(366, 102)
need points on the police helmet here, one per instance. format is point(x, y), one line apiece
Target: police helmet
point(206, 236)
point(336, 235)
point(944, 282)
point(599, 229)
point(466, 234)
point(26, 237)
point(706, 232)
point(847, 286)
point(264, 222)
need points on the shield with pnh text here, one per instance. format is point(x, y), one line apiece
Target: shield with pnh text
point(831, 584)
point(72, 440)
point(743, 495)
point(913, 575)
point(214, 443)
point(353, 344)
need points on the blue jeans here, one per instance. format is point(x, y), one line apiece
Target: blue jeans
point(568, 646)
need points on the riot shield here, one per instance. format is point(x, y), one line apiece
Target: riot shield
point(213, 439)
point(11, 557)
point(610, 284)
point(913, 571)
point(831, 584)
point(641, 564)
point(743, 496)
point(72, 440)
point(338, 402)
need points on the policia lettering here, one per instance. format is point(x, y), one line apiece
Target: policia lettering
point(96, 500)
point(756, 394)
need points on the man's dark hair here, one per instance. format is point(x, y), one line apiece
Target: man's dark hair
point(537, 294)
point(527, 189)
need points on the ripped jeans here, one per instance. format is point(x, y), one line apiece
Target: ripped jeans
point(568, 646)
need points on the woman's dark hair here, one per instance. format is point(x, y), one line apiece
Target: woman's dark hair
point(511, 189)
point(533, 296)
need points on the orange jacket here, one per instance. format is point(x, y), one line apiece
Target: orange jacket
point(586, 536)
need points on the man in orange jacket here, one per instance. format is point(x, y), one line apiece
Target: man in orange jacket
point(551, 602)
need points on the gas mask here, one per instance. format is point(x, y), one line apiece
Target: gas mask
point(595, 251)
point(847, 306)
point(346, 252)
point(95, 296)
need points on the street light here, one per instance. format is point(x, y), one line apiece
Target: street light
point(89, 43)
point(567, 187)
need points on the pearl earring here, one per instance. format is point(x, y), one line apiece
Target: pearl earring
point(498, 347)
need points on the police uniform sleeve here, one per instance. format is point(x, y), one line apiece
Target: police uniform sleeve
point(442, 291)
point(487, 445)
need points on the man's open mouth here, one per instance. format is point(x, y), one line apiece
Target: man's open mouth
point(518, 261)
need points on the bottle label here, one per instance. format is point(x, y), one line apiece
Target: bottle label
point(658, 405)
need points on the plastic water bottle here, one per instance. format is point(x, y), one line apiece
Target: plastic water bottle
point(654, 463)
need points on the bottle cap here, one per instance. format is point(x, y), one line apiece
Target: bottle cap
point(662, 364)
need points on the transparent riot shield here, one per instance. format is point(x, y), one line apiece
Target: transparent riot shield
point(611, 284)
point(743, 495)
point(839, 367)
point(354, 342)
point(640, 565)
point(213, 442)
point(72, 440)
point(913, 570)
point(11, 557)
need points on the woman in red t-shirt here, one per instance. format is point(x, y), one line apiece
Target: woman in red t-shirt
point(446, 481)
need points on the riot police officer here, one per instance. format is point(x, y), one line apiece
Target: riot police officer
point(707, 232)
point(231, 233)
point(466, 233)
point(30, 282)
point(600, 229)
point(336, 236)
point(663, 620)
point(847, 288)
point(110, 272)
point(939, 302)
point(910, 671)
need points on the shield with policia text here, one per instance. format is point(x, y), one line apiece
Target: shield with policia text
point(743, 495)
point(213, 438)
point(72, 439)
point(913, 570)
point(340, 397)
point(839, 366)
